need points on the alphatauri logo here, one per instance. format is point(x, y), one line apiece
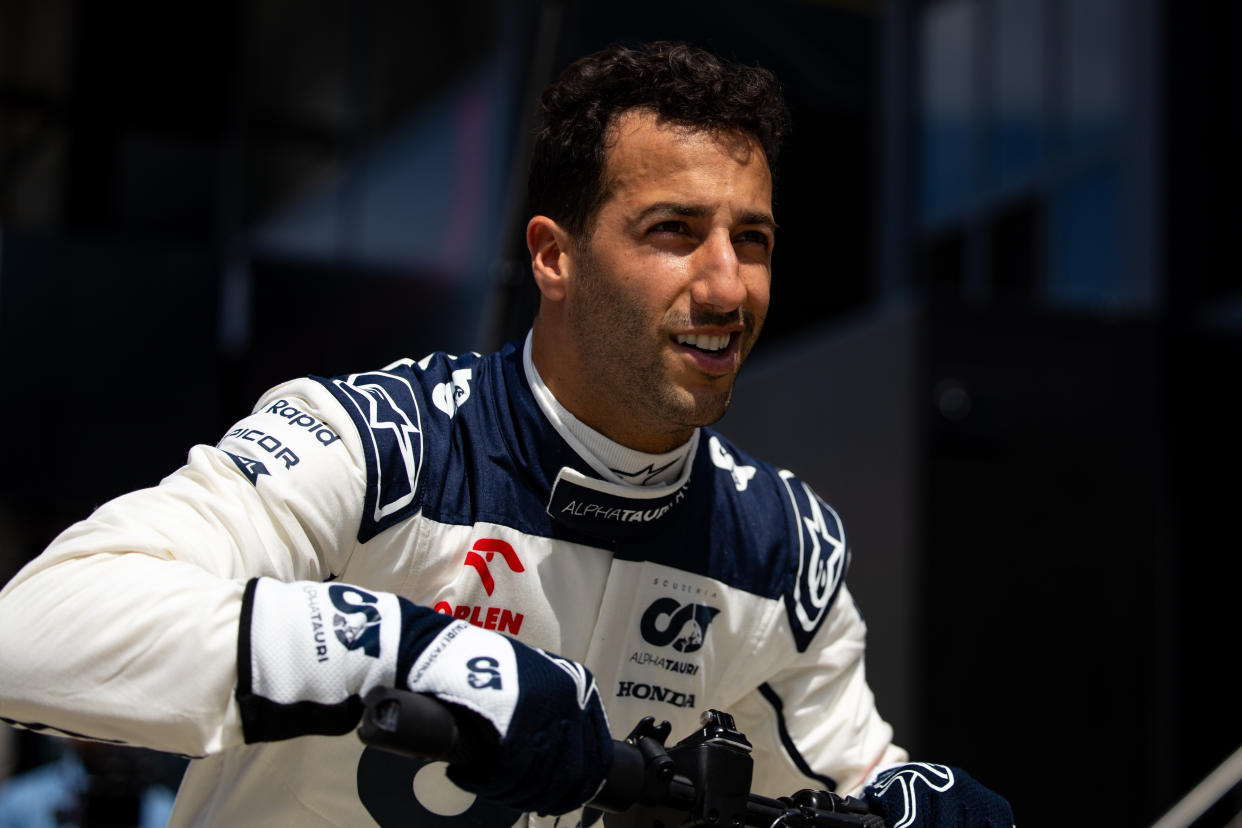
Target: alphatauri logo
point(668, 622)
point(484, 673)
point(354, 632)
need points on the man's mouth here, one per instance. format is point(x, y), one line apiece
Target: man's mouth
point(707, 343)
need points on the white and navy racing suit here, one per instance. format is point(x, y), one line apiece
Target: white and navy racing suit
point(442, 481)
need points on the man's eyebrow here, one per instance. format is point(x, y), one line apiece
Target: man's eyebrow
point(762, 219)
point(672, 208)
point(698, 211)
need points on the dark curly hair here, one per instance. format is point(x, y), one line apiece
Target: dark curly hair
point(682, 84)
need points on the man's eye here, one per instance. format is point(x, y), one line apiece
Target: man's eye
point(678, 227)
point(754, 237)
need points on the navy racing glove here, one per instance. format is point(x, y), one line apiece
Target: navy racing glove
point(922, 795)
point(308, 652)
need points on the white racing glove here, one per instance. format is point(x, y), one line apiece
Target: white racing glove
point(308, 652)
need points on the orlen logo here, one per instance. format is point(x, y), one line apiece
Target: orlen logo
point(489, 618)
point(668, 622)
point(491, 546)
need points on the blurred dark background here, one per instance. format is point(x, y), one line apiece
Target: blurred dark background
point(1004, 339)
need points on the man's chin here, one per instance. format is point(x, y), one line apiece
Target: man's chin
point(702, 407)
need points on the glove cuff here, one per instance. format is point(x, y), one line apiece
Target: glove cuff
point(307, 652)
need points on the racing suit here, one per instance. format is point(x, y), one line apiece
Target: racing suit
point(442, 481)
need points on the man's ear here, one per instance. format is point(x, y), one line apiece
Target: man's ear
point(549, 247)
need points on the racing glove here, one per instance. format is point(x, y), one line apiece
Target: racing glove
point(308, 652)
point(921, 795)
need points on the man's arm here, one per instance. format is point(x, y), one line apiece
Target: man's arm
point(823, 725)
point(815, 718)
point(126, 627)
point(205, 613)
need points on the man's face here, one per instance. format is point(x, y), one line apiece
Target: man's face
point(669, 289)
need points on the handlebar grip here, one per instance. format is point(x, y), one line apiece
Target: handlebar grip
point(423, 727)
point(411, 724)
point(626, 780)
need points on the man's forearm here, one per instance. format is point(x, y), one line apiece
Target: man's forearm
point(123, 647)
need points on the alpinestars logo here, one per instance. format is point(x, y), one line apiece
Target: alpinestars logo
point(582, 679)
point(385, 409)
point(822, 559)
point(643, 475)
point(251, 468)
point(356, 634)
point(489, 547)
point(937, 777)
point(668, 622)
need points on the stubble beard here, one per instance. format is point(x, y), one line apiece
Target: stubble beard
point(631, 361)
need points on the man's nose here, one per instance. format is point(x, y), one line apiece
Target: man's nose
point(718, 282)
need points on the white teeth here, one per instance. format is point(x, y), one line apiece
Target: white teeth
point(703, 342)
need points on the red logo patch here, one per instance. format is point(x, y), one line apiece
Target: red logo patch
point(489, 618)
point(490, 546)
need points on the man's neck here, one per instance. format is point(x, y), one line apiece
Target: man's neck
point(611, 459)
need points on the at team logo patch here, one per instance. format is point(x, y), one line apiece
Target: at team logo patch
point(822, 556)
point(250, 468)
point(484, 673)
point(385, 410)
point(668, 622)
point(357, 625)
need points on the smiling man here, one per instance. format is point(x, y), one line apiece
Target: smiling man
point(549, 538)
point(674, 266)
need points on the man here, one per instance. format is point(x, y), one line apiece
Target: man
point(535, 536)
